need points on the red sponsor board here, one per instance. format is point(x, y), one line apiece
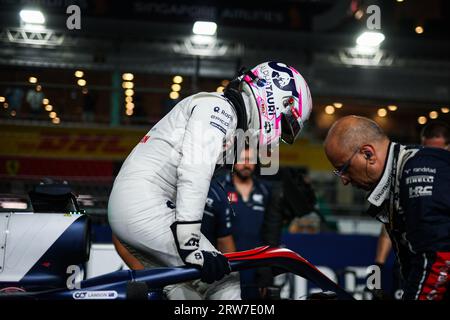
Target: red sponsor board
point(17, 167)
point(68, 143)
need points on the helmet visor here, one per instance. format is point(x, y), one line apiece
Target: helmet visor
point(290, 125)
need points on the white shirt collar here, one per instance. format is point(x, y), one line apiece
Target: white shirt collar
point(381, 192)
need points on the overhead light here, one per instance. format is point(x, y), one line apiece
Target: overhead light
point(177, 79)
point(48, 107)
point(127, 76)
point(32, 16)
point(370, 39)
point(52, 115)
point(81, 82)
point(38, 88)
point(127, 85)
point(14, 204)
point(129, 99)
point(422, 120)
point(2, 99)
point(329, 109)
point(203, 40)
point(13, 113)
point(56, 120)
point(443, 109)
point(399, 0)
point(337, 105)
point(174, 95)
point(176, 87)
point(129, 112)
point(85, 91)
point(5, 105)
point(32, 80)
point(129, 92)
point(129, 106)
point(382, 112)
point(45, 101)
point(34, 27)
point(79, 74)
point(205, 28)
point(418, 29)
point(392, 107)
point(433, 114)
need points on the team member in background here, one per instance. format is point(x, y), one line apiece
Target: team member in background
point(409, 193)
point(216, 222)
point(242, 229)
point(157, 201)
point(293, 200)
point(437, 135)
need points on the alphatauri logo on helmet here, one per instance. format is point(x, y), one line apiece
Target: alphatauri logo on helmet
point(283, 78)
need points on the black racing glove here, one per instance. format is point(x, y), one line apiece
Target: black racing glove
point(213, 265)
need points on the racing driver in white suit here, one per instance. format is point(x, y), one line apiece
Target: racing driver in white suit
point(157, 201)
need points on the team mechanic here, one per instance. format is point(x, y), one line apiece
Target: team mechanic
point(156, 204)
point(409, 192)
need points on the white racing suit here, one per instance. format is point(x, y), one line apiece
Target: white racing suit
point(166, 178)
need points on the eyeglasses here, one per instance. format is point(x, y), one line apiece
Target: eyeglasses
point(343, 169)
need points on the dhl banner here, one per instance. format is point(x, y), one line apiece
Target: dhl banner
point(68, 143)
point(114, 144)
point(18, 167)
point(304, 154)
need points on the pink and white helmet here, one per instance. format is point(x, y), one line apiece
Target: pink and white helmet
point(283, 99)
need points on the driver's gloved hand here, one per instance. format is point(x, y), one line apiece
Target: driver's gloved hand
point(213, 265)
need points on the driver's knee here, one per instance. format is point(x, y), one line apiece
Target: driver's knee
point(181, 291)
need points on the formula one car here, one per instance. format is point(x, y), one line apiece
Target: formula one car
point(41, 234)
point(40, 247)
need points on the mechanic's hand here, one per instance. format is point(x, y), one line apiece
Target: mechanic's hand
point(214, 266)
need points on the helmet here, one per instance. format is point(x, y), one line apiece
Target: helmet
point(283, 100)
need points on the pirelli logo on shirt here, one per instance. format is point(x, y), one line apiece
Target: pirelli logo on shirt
point(419, 179)
point(423, 186)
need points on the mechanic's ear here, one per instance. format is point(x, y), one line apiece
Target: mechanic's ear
point(369, 153)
